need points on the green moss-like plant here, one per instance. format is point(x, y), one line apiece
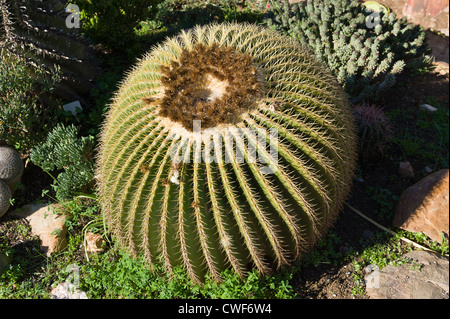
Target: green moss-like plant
point(228, 145)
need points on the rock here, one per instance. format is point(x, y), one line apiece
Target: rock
point(424, 276)
point(406, 170)
point(5, 197)
point(73, 107)
point(428, 107)
point(428, 170)
point(67, 290)
point(46, 223)
point(94, 242)
point(424, 206)
point(11, 167)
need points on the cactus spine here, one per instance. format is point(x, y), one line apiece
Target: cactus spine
point(200, 197)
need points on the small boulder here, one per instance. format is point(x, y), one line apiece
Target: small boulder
point(67, 290)
point(11, 167)
point(47, 224)
point(424, 206)
point(428, 107)
point(424, 276)
point(94, 242)
point(405, 169)
point(5, 197)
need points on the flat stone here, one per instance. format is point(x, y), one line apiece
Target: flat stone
point(424, 276)
point(424, 206)
point(47, 224)
point(428, 107)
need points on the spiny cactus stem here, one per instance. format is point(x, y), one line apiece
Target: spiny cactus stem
point(118, 178)
point(199, 211)
point(129, 190)
point(146, 208)
point(249, 239)
point(271, 195)
point(182, 227)
point(141, 122)
point(328, 187)
point(125, 149)
point(221, 227)
point(268, 227)
point(308, 173)
point(288, 184)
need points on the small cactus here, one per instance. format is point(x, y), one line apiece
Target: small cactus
point(11, 167)
point(185, 180)
point(374, 128)
point(5, 196)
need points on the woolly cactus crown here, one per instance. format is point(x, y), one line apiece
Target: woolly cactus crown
point(226, 146)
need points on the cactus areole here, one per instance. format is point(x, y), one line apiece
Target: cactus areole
point(227, 146)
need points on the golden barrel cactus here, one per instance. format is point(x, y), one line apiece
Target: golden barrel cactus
point(228, 145)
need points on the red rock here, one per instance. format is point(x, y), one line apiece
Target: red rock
point(406, 170)
point(424, 7)
point(47, 223)
point(94, 242)
point(424, 207)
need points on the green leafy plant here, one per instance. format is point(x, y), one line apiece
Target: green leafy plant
point(200, 198)
point(364, 50)
point(24, 116)
point(64, 150)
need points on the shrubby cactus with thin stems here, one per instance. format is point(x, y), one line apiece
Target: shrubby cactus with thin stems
point(226, 146)
point(365, 50)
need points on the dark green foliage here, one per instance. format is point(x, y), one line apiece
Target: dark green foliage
point(24, 117)
point(63, 149)
point(4, 261)
point(112, 22)
point(183, 14)
point(177, 15)
point(364, 55)
point(37, 31)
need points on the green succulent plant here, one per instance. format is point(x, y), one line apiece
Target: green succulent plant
point(365, 50)
point(228, 145)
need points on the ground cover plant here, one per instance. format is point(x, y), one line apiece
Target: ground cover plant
point(335, 268)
